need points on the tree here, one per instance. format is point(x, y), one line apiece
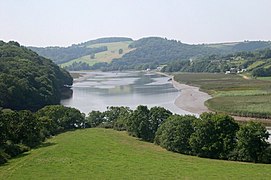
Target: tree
point(138, 124)
point(30, 129)
point(116, 117)
point(214, 136)
point(175, 132)
point(120, 51)
point(226, 128)
point(95, 118)
point(251, 142)
point(157, 116)
point(58, 118)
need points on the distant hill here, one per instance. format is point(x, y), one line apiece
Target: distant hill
point(27, 80)
point(257, 63)
point(115, 50)
point(154, 51)
point(118, 53)
point(241, 46)
point(88, 52)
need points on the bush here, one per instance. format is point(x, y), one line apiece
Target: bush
point(15, 149)
point(252, 143)
point(175, 132)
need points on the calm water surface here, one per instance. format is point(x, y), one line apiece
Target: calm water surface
point(102, 89)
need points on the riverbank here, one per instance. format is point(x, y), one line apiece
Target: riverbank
point(191, 99)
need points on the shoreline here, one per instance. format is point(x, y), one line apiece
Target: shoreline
point(191, 99)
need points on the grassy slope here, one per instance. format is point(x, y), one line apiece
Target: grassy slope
point(108, 154)
point(232, 93)
point(106, 56)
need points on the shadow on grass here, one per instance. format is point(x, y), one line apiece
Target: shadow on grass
point(42, 145)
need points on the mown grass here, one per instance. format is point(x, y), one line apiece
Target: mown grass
point(106, 56)
point(232, 93)
point(109, 154)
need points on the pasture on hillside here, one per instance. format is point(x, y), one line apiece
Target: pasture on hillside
point(107, 154)
point(105, 56)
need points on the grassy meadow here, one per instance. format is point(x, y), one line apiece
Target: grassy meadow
point(106, 56)
point(107, 154)
point(232, 93)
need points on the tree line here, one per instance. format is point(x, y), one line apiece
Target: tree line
point(211, 135)
point(22, 130)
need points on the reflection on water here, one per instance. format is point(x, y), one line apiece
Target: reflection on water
point(102, 89)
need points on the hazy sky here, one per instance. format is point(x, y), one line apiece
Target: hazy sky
point(66, 22)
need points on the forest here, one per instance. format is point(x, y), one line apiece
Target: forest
point(29, 81)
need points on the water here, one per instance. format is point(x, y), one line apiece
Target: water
point(102, 89)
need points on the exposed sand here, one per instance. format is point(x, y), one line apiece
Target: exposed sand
point(191, 98)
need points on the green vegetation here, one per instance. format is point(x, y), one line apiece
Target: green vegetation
point(241, 46)
point(82, 56)
point(108, 55)
point(232, 94)
point(22, 130)
point(154, 51)
point(106, 154)
point(65, 54)
point(27, 80)
point(124, 53)
point(211, 135)
point(256, 63)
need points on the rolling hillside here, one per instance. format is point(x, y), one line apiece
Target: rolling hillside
point(109, 154)
point(117, 53)
point(90, 52)
point(111, 53)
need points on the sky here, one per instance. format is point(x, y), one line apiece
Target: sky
point(66, 22)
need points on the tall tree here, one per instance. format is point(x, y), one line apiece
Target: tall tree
point(175, 132)
point(252, 142)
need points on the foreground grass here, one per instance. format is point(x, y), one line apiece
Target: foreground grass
point(108, 154)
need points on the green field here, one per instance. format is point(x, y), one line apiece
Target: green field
point(232, 93)
point(106, 56)
point(109, 154)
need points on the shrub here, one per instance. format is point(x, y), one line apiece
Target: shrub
point(175, 132)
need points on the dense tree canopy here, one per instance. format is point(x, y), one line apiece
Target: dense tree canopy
point(20, 130)
point(175, 133)
point(27, 80)
point(252, 143)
